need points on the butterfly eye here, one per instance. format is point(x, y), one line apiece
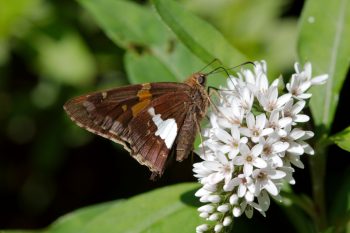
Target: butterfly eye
point(201, 79)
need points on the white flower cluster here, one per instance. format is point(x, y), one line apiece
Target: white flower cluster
point(253, 141)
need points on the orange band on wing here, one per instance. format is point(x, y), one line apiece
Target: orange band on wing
point(139, 106)
point(144, 93)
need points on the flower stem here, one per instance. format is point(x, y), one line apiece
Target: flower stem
point(318, 169)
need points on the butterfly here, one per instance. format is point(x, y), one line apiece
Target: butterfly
point(153, 121)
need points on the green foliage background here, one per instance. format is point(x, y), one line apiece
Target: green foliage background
point(51, 51)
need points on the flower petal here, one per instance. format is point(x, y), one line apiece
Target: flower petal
point(277, 175)
point(259, 162)
point(295, 148)
point(301, 118)
point(249, 196)
point(266, 131)
point(239, 160)
point(215, 178)
point(271, 188)
point(213, 165)
point(296, 133)
point(223, 136)
point(250, 120)
point(319, 80)
point(248, 169)
point(283, 99)
point(260, 121)
point(298, 107)
point(279, 146)
point(257, 149)
point(304, 96)
point(241, 190)
point(246, 132)
point(222, 158)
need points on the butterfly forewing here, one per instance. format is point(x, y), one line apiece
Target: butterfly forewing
point(145, 118)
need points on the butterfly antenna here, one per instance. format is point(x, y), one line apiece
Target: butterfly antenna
point(243, 64)
point(210, 63)
point(231, 68)
point(216, 70)
point(220, 68)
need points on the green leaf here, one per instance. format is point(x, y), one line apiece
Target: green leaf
point(127, 23)
point(199, 36)
point(263, 36)
point(324, 41)
point(179, 59)
point(20, 231)
point(76, 220)
point(144, 68)
point(169, 209)
point(154, 54)
point(342, 139)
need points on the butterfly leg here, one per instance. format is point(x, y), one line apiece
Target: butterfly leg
point(199, 130)
point(213, 91)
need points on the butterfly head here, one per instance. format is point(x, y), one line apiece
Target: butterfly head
point(197, 79)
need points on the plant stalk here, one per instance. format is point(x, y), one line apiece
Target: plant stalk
point(318, 170)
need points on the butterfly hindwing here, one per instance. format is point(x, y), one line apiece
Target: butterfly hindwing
point(154, 131)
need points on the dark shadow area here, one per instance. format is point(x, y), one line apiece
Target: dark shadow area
point(190, 199)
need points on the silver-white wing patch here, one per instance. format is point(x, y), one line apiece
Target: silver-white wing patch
point(166, 129)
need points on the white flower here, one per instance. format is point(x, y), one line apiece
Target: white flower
point(278, 124)
point(249, 158)
point(222, 169)
point(293, 111)
point(302, 80)
point(273, 148)
point(297, 87)
point(294, 159)
point(218, 227)
point(201, 171)
point(246, 187)
point(264, 179)
point(270, 100)
point(307, 148)
point(230, 115)
point(258, 82)
point(227, 221)
point(256, 127)
point(306, 74)
point(244, 100)
point(253, 143)
point(202, 228)
point(289, 174)
point(231, 141)
point(209, 132)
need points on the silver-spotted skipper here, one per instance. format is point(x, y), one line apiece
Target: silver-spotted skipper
point(151, 120)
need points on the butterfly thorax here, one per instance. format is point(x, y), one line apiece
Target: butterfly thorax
point(199, 95)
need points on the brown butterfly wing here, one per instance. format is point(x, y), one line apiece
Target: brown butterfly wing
point(122, 115)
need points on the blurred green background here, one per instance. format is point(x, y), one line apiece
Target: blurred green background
point(53, 50)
